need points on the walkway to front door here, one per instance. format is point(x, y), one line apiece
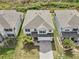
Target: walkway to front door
point(45, 50)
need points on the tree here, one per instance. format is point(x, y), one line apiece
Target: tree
point(68, 44)
point(68, 47)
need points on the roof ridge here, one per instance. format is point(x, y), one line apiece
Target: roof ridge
point(43, 20)
point(71, 18)
point(33, 18)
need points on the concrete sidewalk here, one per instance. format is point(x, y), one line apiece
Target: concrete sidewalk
point(45, 50)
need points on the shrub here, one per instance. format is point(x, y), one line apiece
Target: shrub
point(21, 9)
point(68, 43)
point(34, 6)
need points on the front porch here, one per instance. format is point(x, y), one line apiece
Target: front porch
point(36, 40)
point(35, 34)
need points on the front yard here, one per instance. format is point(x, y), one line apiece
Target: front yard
point(24, 50)
point(21, 51)
point(59, 52)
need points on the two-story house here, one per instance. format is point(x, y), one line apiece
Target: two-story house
point(39, 25)
point(67, 22)
point(10, 21)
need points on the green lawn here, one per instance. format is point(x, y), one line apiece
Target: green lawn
point(6, 53)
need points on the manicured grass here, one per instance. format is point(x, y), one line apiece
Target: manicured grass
point(7, 53)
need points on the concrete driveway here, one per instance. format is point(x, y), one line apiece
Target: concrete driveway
point(45, 50)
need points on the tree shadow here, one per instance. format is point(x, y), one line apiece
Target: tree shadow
point(69, 53)
point(29, 46)
point(9, 45)
point(53, 45)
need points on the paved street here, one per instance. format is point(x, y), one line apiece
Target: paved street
point(45, 50)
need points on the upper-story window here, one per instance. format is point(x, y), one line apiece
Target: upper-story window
point(27, 30)
point(50, 30)
point(8, 29)
point(42, 31)
point(66, 29)
point(75, 29)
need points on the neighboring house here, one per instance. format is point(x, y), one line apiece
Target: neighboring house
point(39, 25)
point(10, 21)
point(68, 24)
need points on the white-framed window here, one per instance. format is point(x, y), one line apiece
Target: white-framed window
point(75, 29)
point(67, 30)
point(50, 30)
point(42, 31)
point(27, 30)
point(7, 30)
point(35, 30)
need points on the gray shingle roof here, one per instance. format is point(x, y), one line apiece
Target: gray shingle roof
point(74, 22)
point(34, 18)
point(68, 18)
point(8, 18)
point(3, 22)
point(36, 22)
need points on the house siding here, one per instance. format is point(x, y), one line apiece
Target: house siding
point(2, 31)
point(17, 26)
point(58, 24)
